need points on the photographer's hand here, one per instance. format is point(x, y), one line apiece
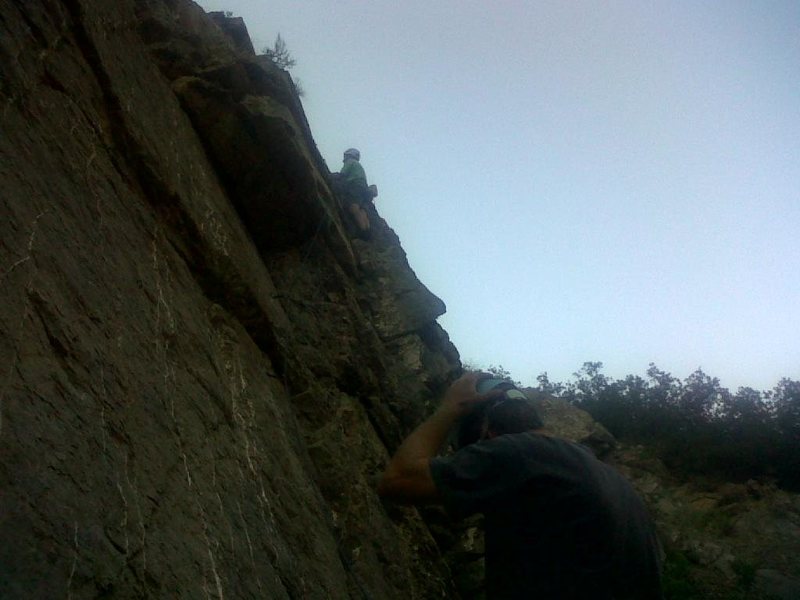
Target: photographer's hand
point(462, 396)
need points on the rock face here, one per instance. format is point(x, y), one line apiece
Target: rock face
point(202, 374)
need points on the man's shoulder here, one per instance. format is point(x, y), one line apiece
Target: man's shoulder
point(527, 451)
point(548, 440)
point(532, 439)
point(544, 453)
point(509, 443)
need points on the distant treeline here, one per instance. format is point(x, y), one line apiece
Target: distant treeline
point(696, 425)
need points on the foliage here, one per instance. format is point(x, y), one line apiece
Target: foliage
point(677, 581)
point(714, 521)
point(697, 425)
point(745, 573)
point(499, 371)
point(548, 387)
point(299, 87)
point(279, 54)
point(281, 57)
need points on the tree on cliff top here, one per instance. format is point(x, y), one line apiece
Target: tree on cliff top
point(279, 54)
point(281, 57)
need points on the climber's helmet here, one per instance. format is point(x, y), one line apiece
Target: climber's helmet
point(352, 153)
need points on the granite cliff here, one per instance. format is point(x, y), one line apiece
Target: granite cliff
point(202, 373)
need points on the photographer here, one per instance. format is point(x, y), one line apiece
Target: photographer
point(559, 522)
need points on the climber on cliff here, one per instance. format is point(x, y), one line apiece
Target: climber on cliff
point(351, 185)
point(559, 523)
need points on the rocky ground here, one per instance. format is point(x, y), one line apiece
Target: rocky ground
point(723, 540)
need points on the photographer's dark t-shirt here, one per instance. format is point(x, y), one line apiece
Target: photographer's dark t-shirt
point(559, 523)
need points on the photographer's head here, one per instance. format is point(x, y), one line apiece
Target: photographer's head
point(511, 412)
point(513, 415)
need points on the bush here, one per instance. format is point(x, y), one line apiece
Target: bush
point(697, 426)
point(745, 573)
point(677, 579)
point(279, 54)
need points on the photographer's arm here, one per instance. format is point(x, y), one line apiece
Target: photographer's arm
point(407, 477)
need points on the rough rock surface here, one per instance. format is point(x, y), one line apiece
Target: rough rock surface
point(723, 540)
point(202, 374)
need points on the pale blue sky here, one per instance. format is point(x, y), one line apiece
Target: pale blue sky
point(578, 181)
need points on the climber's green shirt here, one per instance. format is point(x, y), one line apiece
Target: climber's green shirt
point(352, 171)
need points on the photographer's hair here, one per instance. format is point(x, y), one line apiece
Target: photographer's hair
point(506, 415)
point(472, 427)
point(512, 415)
